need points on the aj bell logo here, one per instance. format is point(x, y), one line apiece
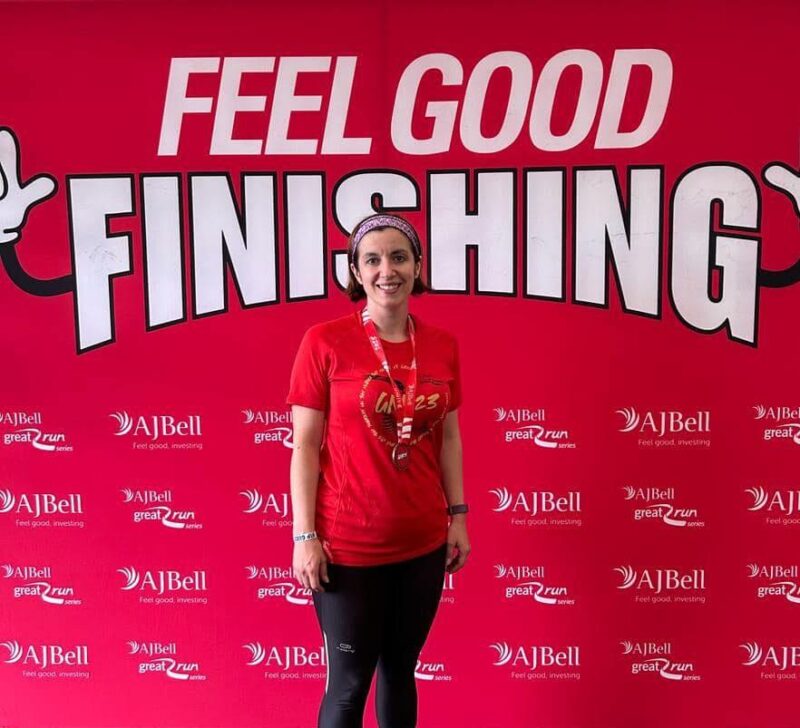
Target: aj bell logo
point(779, 581)
point(783, 429)
point(20, 419)
point(36, 505)
point(659, 508)
point(43, 656)
point(777, 657)
point(528, 424)
point(274, 506)
point(783, 504)
point(535, 657)
point(37, 584)
point(280, 585)
point(656, 581)
point(162, 659)
point(161, 513)
point(156, 427)
point(162, 581)
point(529, 585)
point(274, 426)
point(285, 658)
point(663, 666)
point(27, 434)
point(536, 501)
point(658, 423)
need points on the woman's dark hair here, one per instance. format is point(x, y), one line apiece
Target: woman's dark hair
point(355, 291)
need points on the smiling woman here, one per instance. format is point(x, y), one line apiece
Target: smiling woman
point(385, 263)
point(377, 490)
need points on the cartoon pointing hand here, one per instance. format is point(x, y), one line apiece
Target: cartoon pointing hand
point(16, 199)
point(783, 178)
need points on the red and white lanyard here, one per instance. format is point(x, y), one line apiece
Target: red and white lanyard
point(404, 407)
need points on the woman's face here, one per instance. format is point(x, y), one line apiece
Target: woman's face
point(386, 267)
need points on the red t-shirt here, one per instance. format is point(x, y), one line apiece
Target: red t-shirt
point(368, 512)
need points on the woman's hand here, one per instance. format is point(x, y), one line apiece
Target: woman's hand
point(458, 547)
point(310, 565)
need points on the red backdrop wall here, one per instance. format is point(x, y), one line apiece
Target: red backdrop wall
point(603, 193)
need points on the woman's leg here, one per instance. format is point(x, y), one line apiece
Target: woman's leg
point(350, 612)
point(415, 589)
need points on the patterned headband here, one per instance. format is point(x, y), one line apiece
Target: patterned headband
point(378, 221)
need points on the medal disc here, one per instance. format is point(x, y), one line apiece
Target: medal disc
point(400, 456)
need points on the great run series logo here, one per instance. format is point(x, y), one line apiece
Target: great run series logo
point(775, 662)
point(25, 429)
point(664, 586)
point(165, 586)
point(42, 510)
point(162, 658)
point(427, 672)
point(522, 424)
point(35, 582)
point(780, 507)
point(159, 432)
point(779, 422)
point(270, 427)
point(529, 583)
point(656, 658)
point(276, 583)
point(538, 662)
point(290, 662)
point(666, 428)
point(775, 581)
point(155, 506)
point(658, 504)
point(47, 660)
point(272, 508)
point(534, 508)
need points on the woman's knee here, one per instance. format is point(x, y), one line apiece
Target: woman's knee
point(348, 690)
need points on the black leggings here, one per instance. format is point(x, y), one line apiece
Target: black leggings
point(376, 616)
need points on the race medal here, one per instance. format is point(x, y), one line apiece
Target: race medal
point(401, 456)
point(404, 406)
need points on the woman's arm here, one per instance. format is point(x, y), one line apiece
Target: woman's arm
point(458, 547)
point(309, 563)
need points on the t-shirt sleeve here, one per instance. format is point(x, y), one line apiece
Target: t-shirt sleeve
point(455, 387)
point(309, 383)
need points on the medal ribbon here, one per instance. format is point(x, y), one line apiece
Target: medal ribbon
point(407, 409)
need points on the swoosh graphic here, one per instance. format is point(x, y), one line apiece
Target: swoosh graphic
point(666, 517)
point(540, 588)
point(35, 442)
point(45, 595)
point(539, 432)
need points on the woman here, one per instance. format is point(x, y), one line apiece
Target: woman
point(376, 478)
